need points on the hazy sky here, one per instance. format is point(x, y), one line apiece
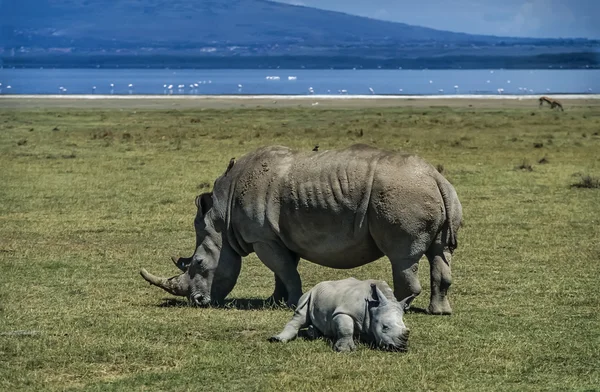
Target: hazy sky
point(524, 18)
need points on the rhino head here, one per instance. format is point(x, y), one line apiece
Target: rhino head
point(387, 327)
point(211, 273)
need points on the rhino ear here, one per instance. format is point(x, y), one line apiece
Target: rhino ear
point(377, 296)
point(406, 301)
point(204, 202)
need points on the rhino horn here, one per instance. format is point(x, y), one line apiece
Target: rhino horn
point(175, 285)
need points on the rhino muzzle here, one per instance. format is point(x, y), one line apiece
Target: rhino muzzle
point(200, 300)
point(399, 344)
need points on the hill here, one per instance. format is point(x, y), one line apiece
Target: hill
point(74, 29)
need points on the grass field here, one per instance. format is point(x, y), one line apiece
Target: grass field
point(90, 195)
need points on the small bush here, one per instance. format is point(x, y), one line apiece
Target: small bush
point(544, 160)
point(538, 145)
point(526, 166)
point(587, 181)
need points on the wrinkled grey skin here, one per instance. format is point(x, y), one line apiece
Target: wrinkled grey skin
point(348, 309)
point(337, 208)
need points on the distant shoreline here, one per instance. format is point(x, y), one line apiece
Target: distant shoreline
point(195, 102)
point(296, 97)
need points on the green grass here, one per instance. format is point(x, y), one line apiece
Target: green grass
point(87, 197)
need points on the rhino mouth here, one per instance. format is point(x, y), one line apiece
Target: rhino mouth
point(396, 347)
point(399, 344)
point(200, 300)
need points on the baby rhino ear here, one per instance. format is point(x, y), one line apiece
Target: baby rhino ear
point(377, 297)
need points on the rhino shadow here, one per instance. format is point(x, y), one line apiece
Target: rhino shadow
point(250, 304)
point(232, 303)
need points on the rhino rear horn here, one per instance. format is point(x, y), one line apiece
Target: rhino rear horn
point(181, 262)
point(174, 285)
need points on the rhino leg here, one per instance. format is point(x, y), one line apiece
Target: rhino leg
point(298, 321)
point(344, 333)
point(441, 279)
point(406, 277)
point(283, 263)
point(280, 294)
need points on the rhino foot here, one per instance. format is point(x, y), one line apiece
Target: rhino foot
point(277, 338)
point(440, 307)
point(344, 345)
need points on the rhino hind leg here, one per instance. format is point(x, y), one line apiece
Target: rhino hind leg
point(284, 264)
point(280, 294)
point(441, 279)
point(344, 333)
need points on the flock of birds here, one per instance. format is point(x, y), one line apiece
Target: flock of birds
point(194, 88)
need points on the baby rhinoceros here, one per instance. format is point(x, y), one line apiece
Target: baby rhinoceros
point(349, 308)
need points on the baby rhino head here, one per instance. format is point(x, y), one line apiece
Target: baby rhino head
point(387, 326)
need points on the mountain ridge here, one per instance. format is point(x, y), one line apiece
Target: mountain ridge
point(66, 29)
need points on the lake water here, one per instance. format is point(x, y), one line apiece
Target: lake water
point(296, 82)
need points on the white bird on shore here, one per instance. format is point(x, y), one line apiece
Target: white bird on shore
point(456, 88)
point(441, 91)
point(314, 103)
point(371, 90)
point(112, 88)
point(130, 88)
point(500, 90)
point(93, 89)
point(401, 90)
point(311, 91)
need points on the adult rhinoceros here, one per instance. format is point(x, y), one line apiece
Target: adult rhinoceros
point(337, 208)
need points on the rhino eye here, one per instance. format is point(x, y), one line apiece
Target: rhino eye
point(385, 327)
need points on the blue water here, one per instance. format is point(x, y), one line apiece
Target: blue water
point(211, 82)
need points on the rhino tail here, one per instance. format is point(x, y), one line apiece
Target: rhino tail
point(453, 210)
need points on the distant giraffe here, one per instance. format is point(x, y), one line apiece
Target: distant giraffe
point(552, 102)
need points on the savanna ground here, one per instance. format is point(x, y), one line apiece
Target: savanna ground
point(90, 192)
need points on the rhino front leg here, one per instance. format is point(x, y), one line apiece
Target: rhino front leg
point(344, 333)
point(298, 321)
point(441, 279)
point(284, 264)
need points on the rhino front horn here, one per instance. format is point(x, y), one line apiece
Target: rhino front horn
point(172, 285)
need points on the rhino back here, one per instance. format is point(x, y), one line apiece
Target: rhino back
point(316, 203)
